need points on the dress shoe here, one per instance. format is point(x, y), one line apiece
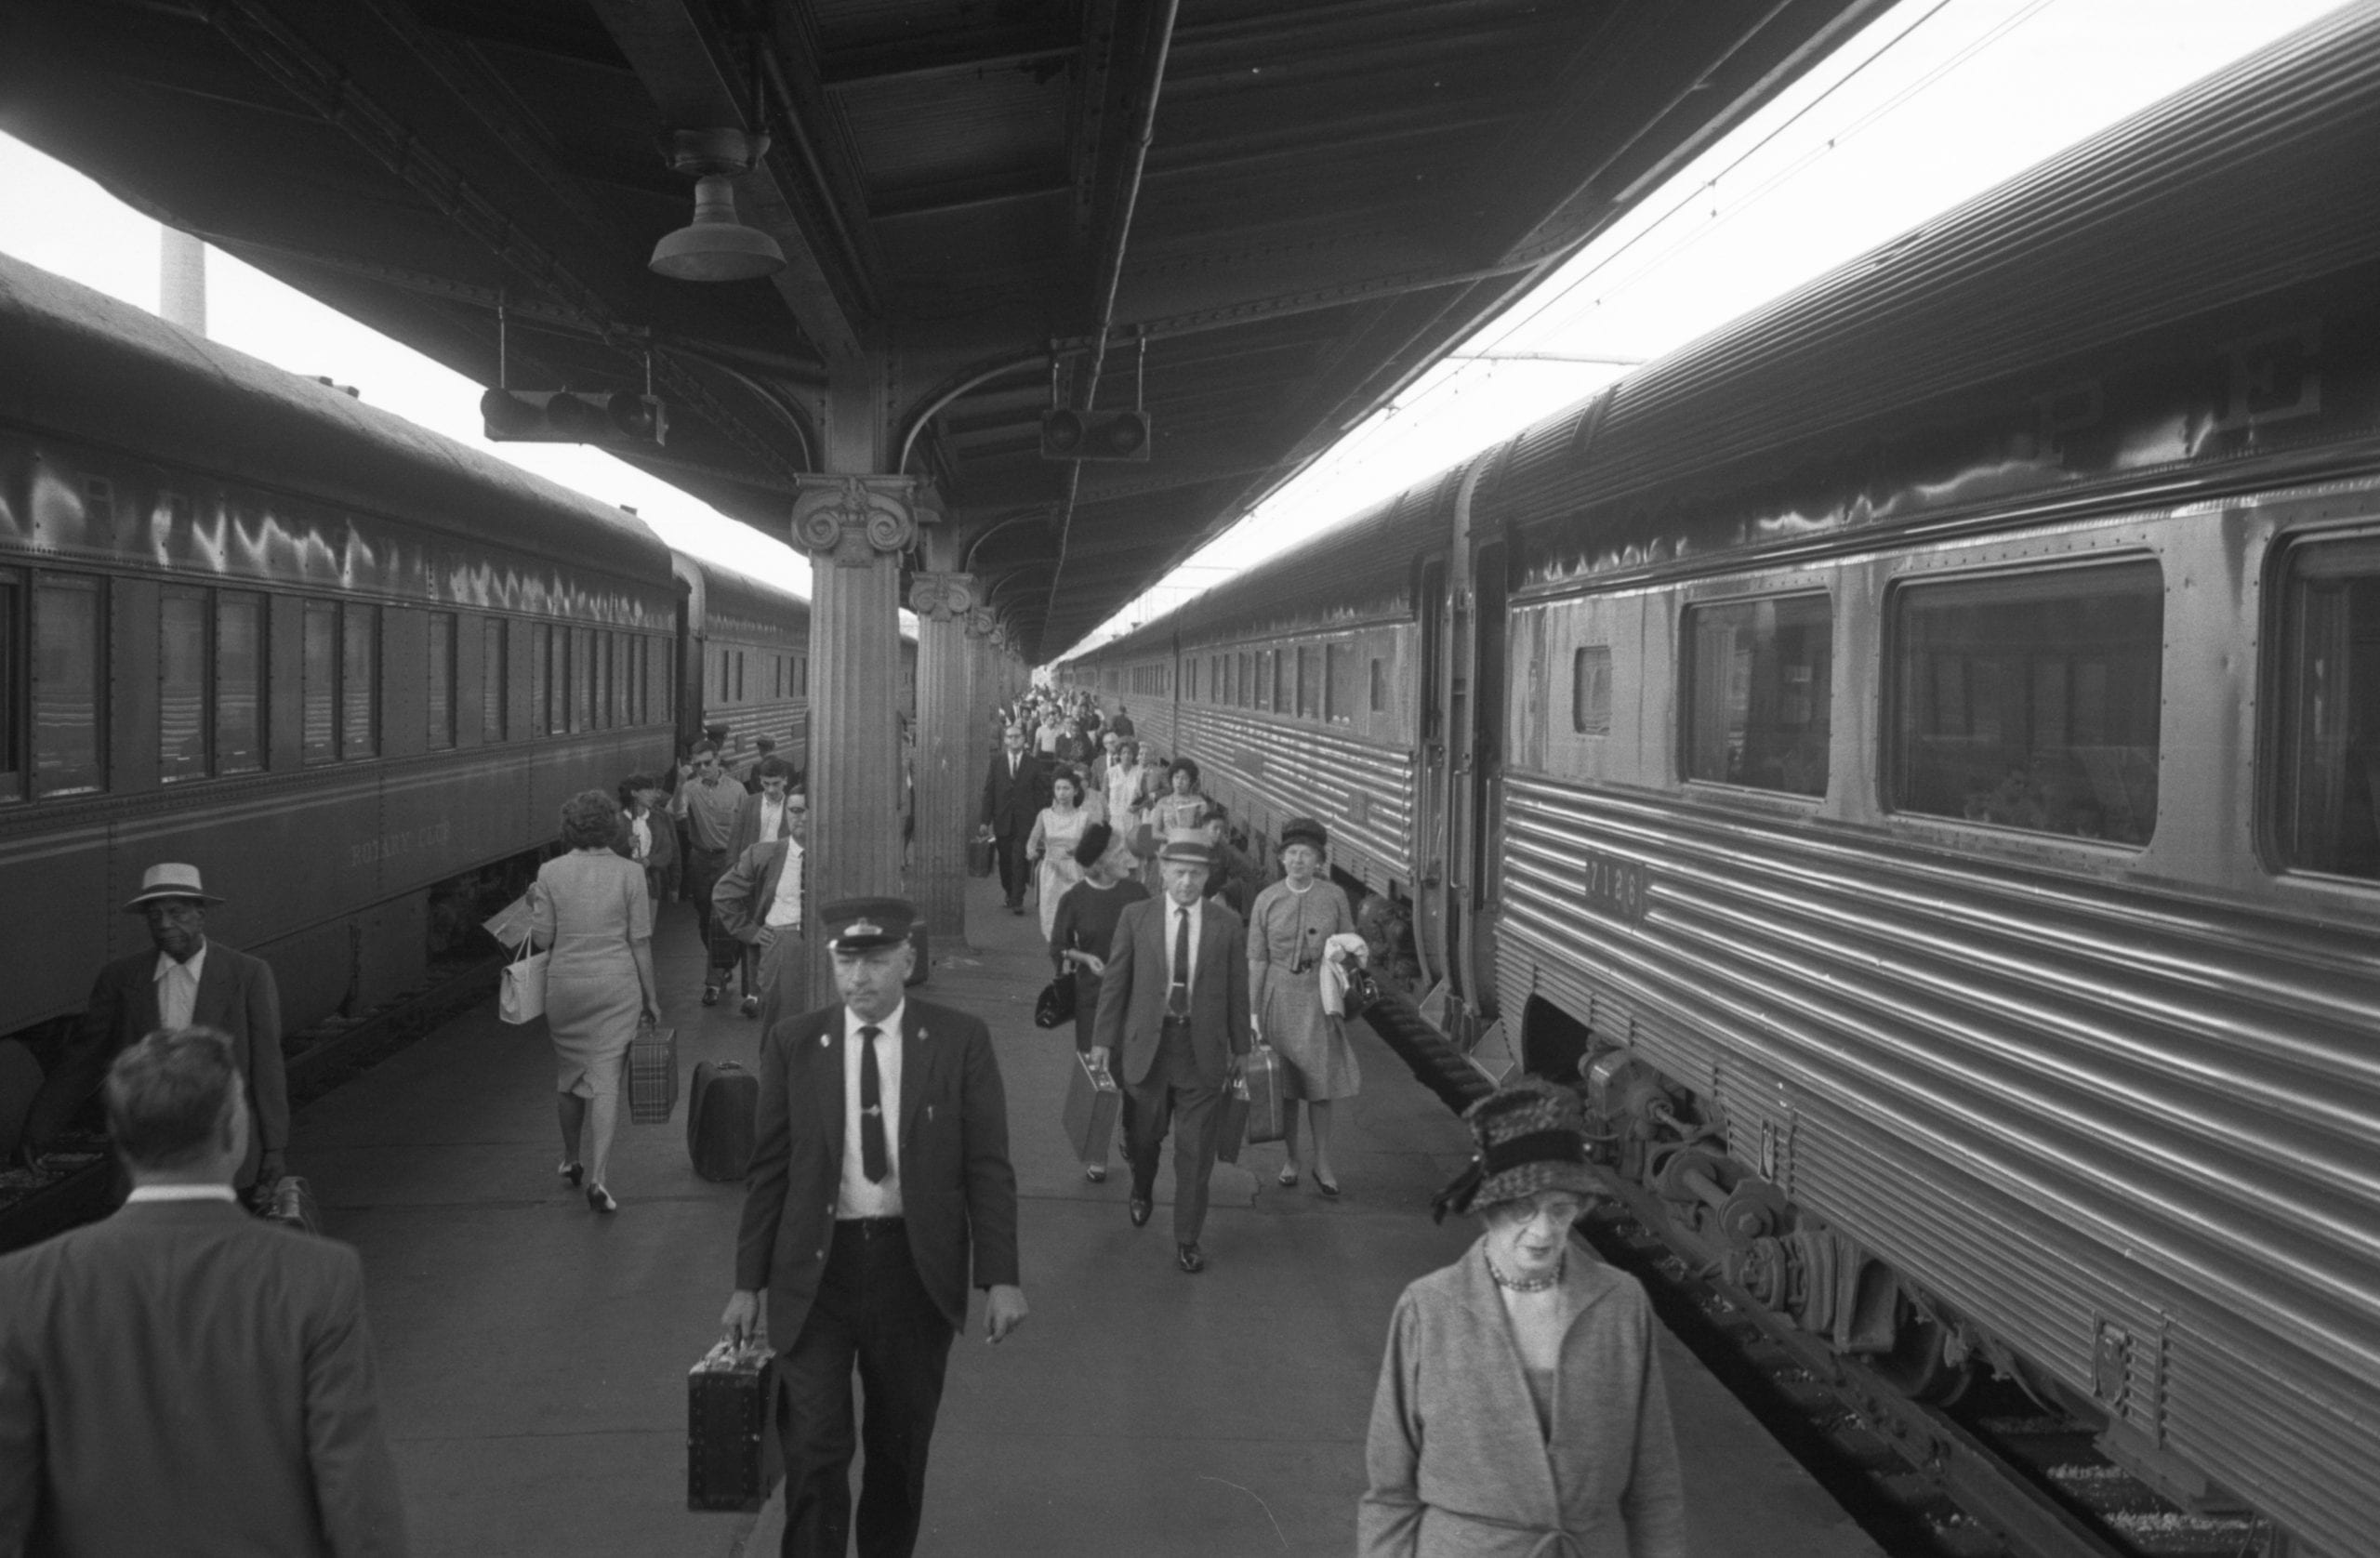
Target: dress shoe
point(572, 1173)
point(751, 1007)
point(1138, 1207)
point(1186, 1256)
point(710, 995)
point(1095, 1172)
point(1328, 1187)
point(599, 1199)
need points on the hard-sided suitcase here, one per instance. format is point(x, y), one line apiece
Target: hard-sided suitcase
point(1231, 1123)
point(653, 1076)
point(1268, 1094)
point(723, 1113)
point(979, 857)
point(733, 1457)
point(1093, 1104)
point(291, 1204)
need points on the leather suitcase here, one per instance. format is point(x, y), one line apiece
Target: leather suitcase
point(722, 1114)
point(1267, 1081)
point(1231, 1123)
point(733, 1457)
point(1093, 1103)
point(291, 1204)
point(979, 857)
point(653, 1076)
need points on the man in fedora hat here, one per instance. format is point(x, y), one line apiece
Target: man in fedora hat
point(880, 1190)
point(1173, 1018)
point(185, 981)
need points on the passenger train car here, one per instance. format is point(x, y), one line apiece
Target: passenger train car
point(1913, 759)
point(339, 663)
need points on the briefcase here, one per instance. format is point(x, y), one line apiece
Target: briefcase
point(1093, 1104)
point(732, 1456)
point(290, 1202)
point(979, 857)
point(653, 1076)
point(1231, 1123)
point(722, 1115)
point(1267, 1081)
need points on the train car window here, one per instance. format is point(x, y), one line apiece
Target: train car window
point(318, 706)
point(1380, 685)
point(582, 680)
point(359, 681)
point(1309, 682)
point(2327, 793)
point(1339, 683)
point(182, 685)
point(98, 500)
point(1285, 690)
point(1759, 682)
point(619, 667)
point(1591, 689)
point(541, 678)
point(2032, 701)
point(494, 683)
point(442, 681)
point(12, 760)
point(739, 676)
point(559, 707)
point(241, 669)
point(70, 652)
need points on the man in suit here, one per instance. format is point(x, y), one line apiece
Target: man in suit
point(1122, 724)
point(769, 813)
point(880, 1175)
point(710, 802)
point(186, 980)
point(758, 903)
point(182, 1376)
point(1174, 1029)
point(1013, 796)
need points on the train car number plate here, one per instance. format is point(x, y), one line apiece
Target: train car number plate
point(1616, 886)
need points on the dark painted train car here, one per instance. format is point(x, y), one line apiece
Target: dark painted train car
point(1911, 757)
point(248, 621)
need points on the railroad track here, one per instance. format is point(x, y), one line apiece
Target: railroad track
point(77, 1182)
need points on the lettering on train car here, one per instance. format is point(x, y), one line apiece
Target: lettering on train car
point(388, 846)
point(1616, 886)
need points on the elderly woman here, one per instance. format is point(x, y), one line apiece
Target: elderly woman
point(591, 906)
point(1520, 1409)
point(1086, 927)
point(1052, 843)
point(1288, 927)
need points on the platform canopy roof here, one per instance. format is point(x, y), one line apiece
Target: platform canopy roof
point(1257, 219)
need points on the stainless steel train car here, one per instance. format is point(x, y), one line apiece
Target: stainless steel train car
point(248, 621)
point(1913, 760)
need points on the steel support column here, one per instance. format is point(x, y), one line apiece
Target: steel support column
point(949, 739)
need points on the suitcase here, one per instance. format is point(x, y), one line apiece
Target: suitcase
point(733, 1457)
point(1093, 1101)
point(653, 1076)
point(1231, 1123)
point(1267, 1081)
point(923, 964)
point(291, 1204)
point(979, 857)
point(722, 1114)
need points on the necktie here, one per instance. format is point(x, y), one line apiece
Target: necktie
point(871, 1110)
point(1011, 765)
point(1177, 996)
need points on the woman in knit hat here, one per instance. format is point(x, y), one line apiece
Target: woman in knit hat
point(1520, 1408)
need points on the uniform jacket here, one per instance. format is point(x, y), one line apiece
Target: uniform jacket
point(957, 1191)
point(1131, 993)
point(1009, 805)
point(742, 898)
point(1457, 1468)
point(236, 995)
point(186, 1377)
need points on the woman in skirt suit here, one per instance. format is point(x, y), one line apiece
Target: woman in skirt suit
point(1290, 924)
point(1086, 927)
point(591, 906)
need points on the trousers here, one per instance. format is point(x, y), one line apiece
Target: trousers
point(1014, 873)
point(1175, 1096)
point(873, 1312)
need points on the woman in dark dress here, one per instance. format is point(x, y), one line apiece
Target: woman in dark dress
point(1086, 925)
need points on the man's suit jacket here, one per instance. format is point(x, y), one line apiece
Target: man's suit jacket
point(742, 898)
point(185, 1378)
point(1131, 993)
point(236, 994)
point(957, 1191)
point(1010, 804)
point(746, 832)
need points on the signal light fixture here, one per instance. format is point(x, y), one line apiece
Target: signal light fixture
point(573, 416)
point(1067, 434)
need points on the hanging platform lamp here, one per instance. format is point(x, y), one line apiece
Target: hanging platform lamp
point(715, 246)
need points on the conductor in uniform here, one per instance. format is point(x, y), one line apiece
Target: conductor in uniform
point(880, 1184)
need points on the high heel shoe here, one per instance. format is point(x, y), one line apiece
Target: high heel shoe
point(599, 1199)
point(1328, 1187)
point(572, 1174)
point(1288, 1176)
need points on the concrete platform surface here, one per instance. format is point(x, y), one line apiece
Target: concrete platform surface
point(533, 1355)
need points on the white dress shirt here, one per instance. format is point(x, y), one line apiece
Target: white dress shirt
point(858, 1196)
point(1172, 910)
point(177, 988)
point(772, 818)
point(785, 909)
point(181, 1193)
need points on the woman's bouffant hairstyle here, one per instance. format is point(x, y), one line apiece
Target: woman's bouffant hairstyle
point(633, 786)
point(588, 818)
point(1183, 765)
point(1094, 844)
point(1072, 775)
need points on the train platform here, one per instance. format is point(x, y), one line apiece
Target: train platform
point(533, 1355)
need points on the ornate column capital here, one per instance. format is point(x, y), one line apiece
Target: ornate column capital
point(851, 521)
point(943, 596)
point(983, 623)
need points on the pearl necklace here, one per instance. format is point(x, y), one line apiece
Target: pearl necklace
point(1539, 1286)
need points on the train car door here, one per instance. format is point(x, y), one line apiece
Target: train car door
point(1433, 935)
point(1479, 767)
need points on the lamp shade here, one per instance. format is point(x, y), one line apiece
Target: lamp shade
point(715, 246)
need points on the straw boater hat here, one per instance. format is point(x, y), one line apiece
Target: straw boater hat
point(170, 881)
point(1527, 1137)
point(1186, 846)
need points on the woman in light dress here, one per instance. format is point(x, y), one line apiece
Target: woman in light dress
point(1288, 927)
point(1052, 843)
point(592, 908)
point(1129, 784)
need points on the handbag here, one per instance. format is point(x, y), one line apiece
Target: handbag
point(509, 925)
point(1360, 994)
point(1057, 1002)
point(522, 998)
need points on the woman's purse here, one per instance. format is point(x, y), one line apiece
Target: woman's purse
point(1057, 1002)
point(522, 998)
